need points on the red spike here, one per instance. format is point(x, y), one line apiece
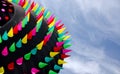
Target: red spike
point(22, 4)
point(40, 15)
point(47, 38)
point(63, 56)
point(15, 29)
point(56, 49)
point(59, 27)
point(11, 66)
point(50, 21)
point(29, 36)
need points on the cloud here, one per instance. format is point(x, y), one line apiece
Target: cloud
point(90, 22)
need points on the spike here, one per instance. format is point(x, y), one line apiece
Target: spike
point(27, 56)
point(2, 70)
point(0, 39)
point(67, 41)
point(10, 33)
point(56, 67)
point(34, 71)
point(66, 45)
point(61, 30)
point(11, 66)
point(19, 61)
point(39, 20)
point(19, 44)
point(15, 30)
point(29, 36)
point(42, 64)
point(56, 49)
point(38, 26)
point(40, 45)
point(47, 38)
point(24, 40)
point(52, 72)
point(52, 24)
point(34, 31)
point(61, 61)
point(53, 54)
point(48, 59)
point(5, 37)
point(34, 51)
point(66, 37)
point(59, 44)
point(57, 23)
point(12, 48)
point(5, 51)
point(59, 27)
point(65, 51)
point(64, 56)
point(19, 26)
point(35, 7)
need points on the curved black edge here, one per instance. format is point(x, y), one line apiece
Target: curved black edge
point(19, 14)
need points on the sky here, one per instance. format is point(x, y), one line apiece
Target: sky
point(94, 26)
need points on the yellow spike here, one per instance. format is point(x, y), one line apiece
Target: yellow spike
point(2, 70)
point(24, 40)
point(43, 8)
point(25, 5)
point(53, 54)
point(61, 61)
point(52, 24)
point(40, 19)
point(28, 16)
point(35, 7)
point(10, 33)
point(61, 30)
point(66, 37)
point(40, 45)
point(10, 0)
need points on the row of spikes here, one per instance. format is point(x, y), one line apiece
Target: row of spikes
point(14, 30)
point(25, 38)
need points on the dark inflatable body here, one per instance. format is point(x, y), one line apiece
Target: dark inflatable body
point(32, 41)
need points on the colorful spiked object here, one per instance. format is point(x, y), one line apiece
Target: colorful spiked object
point(32, 40)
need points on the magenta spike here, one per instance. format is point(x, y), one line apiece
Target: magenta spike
point(66, 51)
point(19, 61)
point(34, 31)
point(34, 70)
point(5, 51)
point(57, 23)
point(50, 18)
point(59, 44)
point(19, 26)
point(39, 15)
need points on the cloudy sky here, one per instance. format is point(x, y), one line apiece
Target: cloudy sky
point(95, 29)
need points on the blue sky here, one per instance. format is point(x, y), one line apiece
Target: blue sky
point(95, 29)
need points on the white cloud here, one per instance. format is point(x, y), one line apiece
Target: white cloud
point(90, 22)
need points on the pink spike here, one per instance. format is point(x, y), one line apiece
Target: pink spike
point(20, 2)
point(19, 61)
point(50, 18)
point(66, 51)
point(57, 23)
point(19, 26)
point(34, 31)
point(59, 44)
point(47, 38)
point(5, 51)
point(34, 70)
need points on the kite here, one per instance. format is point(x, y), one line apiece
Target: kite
point(32, 40)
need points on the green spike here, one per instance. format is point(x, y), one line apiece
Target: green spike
point(62, 34)
point(19, 44)
point(42, 64)
point(27, 56)
point(38, 26)
point(5, 37)
point(24, 22)
point(39, 11)
point(0, 39)
point(66, 45)
point(15, 1)
point(67, 41)
point(52, 72)
point(34, 51)
point(46, 11)
point(48, 15)
point(56, 67)
point(60, 39)
point(48, 59)
point(12, 48)
point(51, 28)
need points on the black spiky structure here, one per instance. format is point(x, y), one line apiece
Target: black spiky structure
point(32, 41)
